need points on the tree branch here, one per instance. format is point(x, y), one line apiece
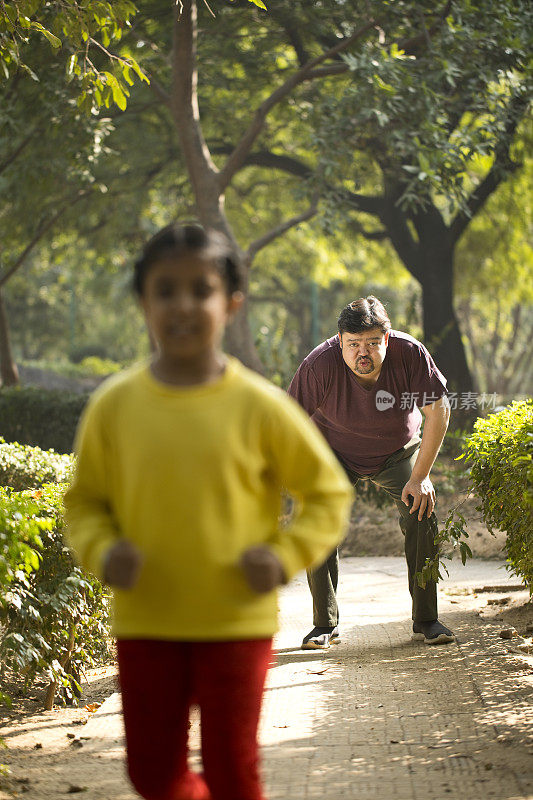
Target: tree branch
point(354, 227)
point(286, 22)
point(413, 45)
point(242, 149)
point(401, 237)
point(368, 204)
point(371, 236)
point(263, 241)
point(44, 228)
point(325, 72)
point(184, 106)
point(501, 168)
point(158, 90)
point(18, 150)
point(477, 200)
point(155, 86)
point(288, 164)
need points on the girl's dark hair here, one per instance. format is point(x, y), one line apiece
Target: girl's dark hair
point(174, 240)
point(363, 315)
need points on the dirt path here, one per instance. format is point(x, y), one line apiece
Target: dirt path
point(376, 715)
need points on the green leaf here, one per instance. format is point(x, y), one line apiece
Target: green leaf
point(119, 97)
point(136, 68)
point(54, 41)
point(71, 64)
point(126, 71)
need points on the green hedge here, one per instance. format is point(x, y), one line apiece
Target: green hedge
point(54, 618)
point(26, 467)
point(500, 455)
point(39, 417)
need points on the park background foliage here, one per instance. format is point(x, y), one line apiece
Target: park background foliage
point(54, 617)
point(46, 419)
point(499, 460)
point(499, 453)
point(424, 101)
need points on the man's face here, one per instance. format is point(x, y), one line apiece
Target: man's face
point(365, 352)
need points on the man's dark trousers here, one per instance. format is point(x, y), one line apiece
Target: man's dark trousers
point(419, 538)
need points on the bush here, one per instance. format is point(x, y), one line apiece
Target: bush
point(500, 454)
point(55, 618)
point(46, 419)
point(93, 365)
point(26, 467)
point(20, 537)
point(78, 354)
point(20, 529)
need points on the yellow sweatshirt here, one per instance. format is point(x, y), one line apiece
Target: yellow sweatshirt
point(192, 476)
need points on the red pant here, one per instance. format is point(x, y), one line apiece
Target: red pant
point(159, 681)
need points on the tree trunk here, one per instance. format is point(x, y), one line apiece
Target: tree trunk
point(203, 174)
point(429, 256)
point(442, 334)
point(239, 341)
point(8, 368)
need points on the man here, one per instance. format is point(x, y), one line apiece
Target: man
point(365, 389)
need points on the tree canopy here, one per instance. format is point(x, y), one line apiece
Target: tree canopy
point(389, 124)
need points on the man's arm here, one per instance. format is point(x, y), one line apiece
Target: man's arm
point(419, 485)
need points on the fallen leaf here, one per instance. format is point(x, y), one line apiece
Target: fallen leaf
point(92, 707)
point(76, 743)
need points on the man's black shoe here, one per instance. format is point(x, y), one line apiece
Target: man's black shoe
point(320, 638)
point(433, 632)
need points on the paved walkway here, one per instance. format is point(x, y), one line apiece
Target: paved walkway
point(376, 716)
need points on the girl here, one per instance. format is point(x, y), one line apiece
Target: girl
point(175, 501)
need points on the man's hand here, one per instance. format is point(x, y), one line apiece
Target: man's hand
point(122, 565)
point(419, 488)
point(423, 495)
point(262, 569)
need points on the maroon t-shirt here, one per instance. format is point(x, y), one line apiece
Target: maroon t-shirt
point(365, 426)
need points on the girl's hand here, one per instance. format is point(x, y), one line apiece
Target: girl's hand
point(122, 565)
point(262, 569)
